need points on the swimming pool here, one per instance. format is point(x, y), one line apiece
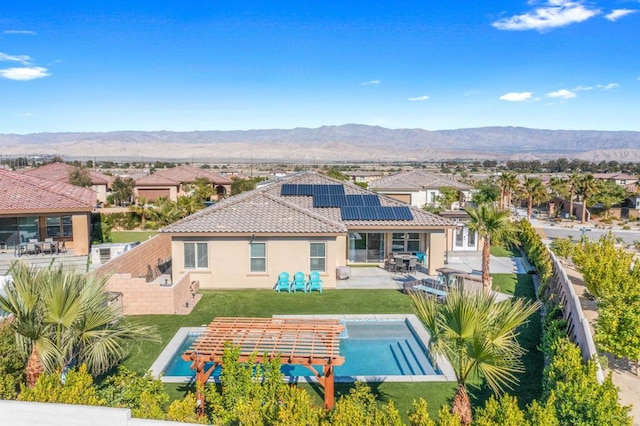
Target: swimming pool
point(374, 348)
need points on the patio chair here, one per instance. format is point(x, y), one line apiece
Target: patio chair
point(390, 265)
point(283, 282)
point(411, 268)
point(299, 282)
point(315, 283)
point(46, 247)
point(32, 248)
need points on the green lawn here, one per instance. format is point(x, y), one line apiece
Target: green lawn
point(499, 251)
point(131, 236)
point(264, 303)
point(530, 335)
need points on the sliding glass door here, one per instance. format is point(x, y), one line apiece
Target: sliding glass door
point(366, 247)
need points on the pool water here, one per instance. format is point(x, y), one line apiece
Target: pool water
point(370, 348)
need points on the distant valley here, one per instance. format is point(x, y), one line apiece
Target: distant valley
point(350, 142)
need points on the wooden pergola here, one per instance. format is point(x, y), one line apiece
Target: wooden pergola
point(305, 342)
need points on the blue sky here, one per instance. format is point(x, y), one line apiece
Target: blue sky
point(224, 65)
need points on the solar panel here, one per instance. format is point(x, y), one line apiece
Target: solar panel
point(354, 200)
point(375, 213)
point(305, 189)
point(371, 200)
point(320, 189)
point(404, 213)
point(349, 213)
point(336, 189)
point(289, 189)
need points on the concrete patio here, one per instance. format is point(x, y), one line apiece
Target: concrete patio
point(376, 277)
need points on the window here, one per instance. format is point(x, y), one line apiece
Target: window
point(258, 257)
point(59, 226)
point(406, 242)
point(196, 256)
point(317, 257)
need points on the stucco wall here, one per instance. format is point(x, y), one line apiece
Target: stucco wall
point(44, 414)
point(142, 298)
point(80, 226)
point(135, 261)
point(128, 276)
point(229, 260)
point(437, 245)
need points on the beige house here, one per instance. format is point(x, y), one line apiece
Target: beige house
point(59, 172)
point(419, 188)
point(38, 209)
point(305, 223)
point(178, 181)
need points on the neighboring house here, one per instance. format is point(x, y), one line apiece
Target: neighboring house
point(178, 181)
point(33, 208)
point(420, 188)
point(298, 224)
point(362, 176)
point(633, 202)
point(630, 182)
point(59, 172)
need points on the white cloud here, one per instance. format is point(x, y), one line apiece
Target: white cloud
point(23, 59)
point(419, 98)
point(370, 83)
point(561, 94)
point(516, 96)
point(24, 73)
point(616, 14)
point(22, 32)
point(553, 14)
point(582, 88)
point(26, 114)
point(607, 86)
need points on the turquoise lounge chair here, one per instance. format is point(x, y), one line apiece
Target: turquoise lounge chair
point(299, 282)
point(283, 282)
point(315, 283)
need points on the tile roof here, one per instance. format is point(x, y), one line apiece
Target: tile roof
point(21, 192)
point(264, 210)
point(182, 174)
point(416, 180)
point(59, 172)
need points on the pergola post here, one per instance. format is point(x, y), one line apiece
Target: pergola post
point(329, 399)
point(201, 381)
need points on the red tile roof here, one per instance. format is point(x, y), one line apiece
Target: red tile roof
point(59, 172)
point(20, 192)
point(182, 174)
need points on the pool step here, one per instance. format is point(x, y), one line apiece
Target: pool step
point(408, 355)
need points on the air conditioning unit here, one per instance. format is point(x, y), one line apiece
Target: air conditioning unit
point(343, 272)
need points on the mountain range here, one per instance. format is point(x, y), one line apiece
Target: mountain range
point(349, 143)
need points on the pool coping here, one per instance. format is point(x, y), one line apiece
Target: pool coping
point(446, 370)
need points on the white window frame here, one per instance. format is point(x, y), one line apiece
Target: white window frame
point(199, 261)
point(252, 257)
point(312, 256)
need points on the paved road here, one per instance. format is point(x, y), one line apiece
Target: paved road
point(576, 230)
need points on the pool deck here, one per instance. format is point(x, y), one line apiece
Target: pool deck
point(446, 371)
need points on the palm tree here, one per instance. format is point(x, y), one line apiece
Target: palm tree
point(492, 225)
point(188, 205)
point(587, 188)
point(574, 183)
point(535, 193)
point(478, 336)
point(141, 208)
point(61, 317)
point(508, 183)
point(164, 212)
